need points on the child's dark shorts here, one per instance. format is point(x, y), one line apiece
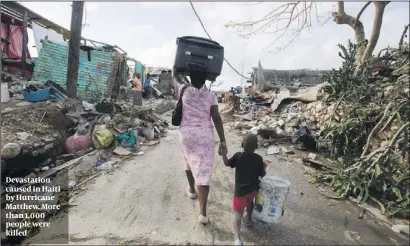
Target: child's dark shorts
point(241, 202)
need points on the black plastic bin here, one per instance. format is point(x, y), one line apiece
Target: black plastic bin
point(200, 54)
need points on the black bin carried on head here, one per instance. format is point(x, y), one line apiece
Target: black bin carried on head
point(198, 54)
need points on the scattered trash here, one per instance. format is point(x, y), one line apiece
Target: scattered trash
point(10, 150)
point(151, 143)
point(72, 184)
point(352, 236)
point(121, 151)
point(268, 161)
point(286, 151)
point(46, 168)
point(304, 140)
point(310, 156)
point(148, 132)
point(22, 135)
point(128, 139)
point(400, 229)
point(272, 150)
point(102, 137)
point(140, 153)
point(88, 107)
point(101, 165)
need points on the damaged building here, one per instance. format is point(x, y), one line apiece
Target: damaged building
point(103, 68)
point(265, 79)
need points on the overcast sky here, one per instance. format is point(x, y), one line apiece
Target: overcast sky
point(147, 31)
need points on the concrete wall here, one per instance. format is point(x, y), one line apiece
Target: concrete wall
point(95, 77)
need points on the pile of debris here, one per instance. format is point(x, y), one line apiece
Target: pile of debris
point(360, 121)
point(72, 142)
point(368, 132)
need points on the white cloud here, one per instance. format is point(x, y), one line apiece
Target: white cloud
point(148, 30)
point(91, 6)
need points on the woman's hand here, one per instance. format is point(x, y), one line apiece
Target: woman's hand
point(223, 149)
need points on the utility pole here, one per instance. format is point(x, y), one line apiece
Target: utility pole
point(243, 87)
point(74, 48)
point(24, 46)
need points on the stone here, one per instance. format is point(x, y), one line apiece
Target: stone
point(244, 132)
point(148, 132)
point(272, 150)
point(10, 150)
point(22, 135)
point(279, 131)
point(319, 107)
point(121, 151)
point(312, 118)
point(46, 168)
point(281, 122)
point(287, 151)
point(289, 129)
point(294, 123)
point(23, 104)
point(49, 146)
point(386, 79)
point(254, 130)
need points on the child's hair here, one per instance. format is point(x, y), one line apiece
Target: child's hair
point(250, 142)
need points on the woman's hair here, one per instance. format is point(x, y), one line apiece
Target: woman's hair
point(137, 75)
point(148, 75)
point(198, 79)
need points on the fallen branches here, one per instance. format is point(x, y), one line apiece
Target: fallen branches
point(368, 134)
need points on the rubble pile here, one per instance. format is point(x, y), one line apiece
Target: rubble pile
point(32, 130)
point(360, 121)
point(368, 132)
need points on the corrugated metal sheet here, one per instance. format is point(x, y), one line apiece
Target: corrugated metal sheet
point(94, 77)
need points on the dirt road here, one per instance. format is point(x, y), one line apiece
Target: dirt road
point(144, 202)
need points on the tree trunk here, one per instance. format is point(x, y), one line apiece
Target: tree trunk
point(377, 24)
point(341, 18)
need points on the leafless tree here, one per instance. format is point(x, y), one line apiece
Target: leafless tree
point(301, 14)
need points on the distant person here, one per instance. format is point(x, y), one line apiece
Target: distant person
point(137, 93)
point(199, 109)
point(249, 167)
point(232, 92)
point(147, 87)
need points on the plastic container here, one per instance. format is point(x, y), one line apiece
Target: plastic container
point(200, 54)
point(5, 94)
point(270, 202)
point(36, 96)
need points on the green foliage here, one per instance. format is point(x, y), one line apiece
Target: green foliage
point(368, 172)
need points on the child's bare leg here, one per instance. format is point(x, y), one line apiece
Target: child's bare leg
point(249, 210)
point(237, 224)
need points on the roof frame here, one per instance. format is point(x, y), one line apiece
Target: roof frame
point(16, 10)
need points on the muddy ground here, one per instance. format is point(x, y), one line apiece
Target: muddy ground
point(144, 202)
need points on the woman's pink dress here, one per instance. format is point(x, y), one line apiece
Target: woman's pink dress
point(196, 133)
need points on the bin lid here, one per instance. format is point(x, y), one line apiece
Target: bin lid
point(200, 41)
point(270, 182)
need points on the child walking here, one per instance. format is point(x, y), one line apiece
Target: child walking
point(249, 167)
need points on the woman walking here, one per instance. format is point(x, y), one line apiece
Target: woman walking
point(197, 138)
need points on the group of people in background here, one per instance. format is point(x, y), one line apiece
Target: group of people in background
point(140, 89)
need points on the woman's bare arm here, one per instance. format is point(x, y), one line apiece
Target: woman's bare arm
point(217, 119)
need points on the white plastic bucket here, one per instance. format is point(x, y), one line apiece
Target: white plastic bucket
point(5, 94)
point(270, 202)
